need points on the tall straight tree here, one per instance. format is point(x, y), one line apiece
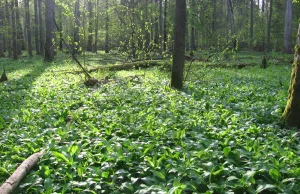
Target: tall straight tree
point(161, 25)
point(20, 39)
point(76, 28)
point(251, 22)
point(165, 25)
point(288, 27)
point(269, 26)
point(95, 47)
point(179, 44)
point(36, 28)
point(231, 20)
point(90, 29)
point(192, 36)
point(1, 33)
point(41, 28)
point(291, 116)
point(106, 47)
point(14, 30)
point(50, 30)
point(28, 27)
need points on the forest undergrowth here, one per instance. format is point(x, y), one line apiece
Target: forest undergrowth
point(134, 134)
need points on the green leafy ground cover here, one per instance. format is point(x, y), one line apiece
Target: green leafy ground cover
point(220, 134)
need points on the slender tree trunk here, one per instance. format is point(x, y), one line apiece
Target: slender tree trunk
point(269, 27)
point(28, 28)
point(36, 29)
point(231, 20)
point(106, 28)
point(41, 29)
point(20, 38)
point(291, 116)
point(96, 27)
point(263, 6)
point(192, 36)
point(214, 16)
point(251, 23)
point(60, 25)
point(146, 27)
point(14, 31)
point(50, 30)
point(90, 36)
point(165, 25)
point(161, 41)
point(179, 48)
point(1, 33)
point(288, 27)
point(9, 29)
point(156, 29)
point(76, 46)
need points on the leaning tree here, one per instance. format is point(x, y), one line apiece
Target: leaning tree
point(291, 115)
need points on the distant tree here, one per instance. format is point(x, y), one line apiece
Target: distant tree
point(165, 25)
point(269, 26)
point(251, 22)
point(14, 31)
point(106, 47)
point(36, 28)
point(231, 20)
point(41, 27)
point(192, 31)
point(20, 38)
point(288, 27)
point(28, 27)
point(95, 47)
point(76, 28)
point(50, 30)
point(8, 39)
point(179, 46)
point(1, 31)
point(90, 29)
point(291, 116)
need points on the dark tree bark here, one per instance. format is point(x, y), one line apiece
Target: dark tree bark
point(231, 20)
point(8, 27)
point(76, 46)
point(165, 25)
point(14, 31)
point(96, 27)
point(90, 29)
point(146, 27)
point(179, 47)
point(60, 26)
point(28, 28)
point(41, 28)
point(50, 30)
point(106, 47)
point(263, 6)
point(288, 27)
point(156, 28)
point(251, 23)
point(161, 25)
point(291, 116)
point(36, 28)
point(1, 34)
point(214, 16)
point(269, 27)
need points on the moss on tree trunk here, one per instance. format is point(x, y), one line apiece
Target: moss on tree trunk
point(291, 115)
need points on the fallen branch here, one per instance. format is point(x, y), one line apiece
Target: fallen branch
point(13, 181)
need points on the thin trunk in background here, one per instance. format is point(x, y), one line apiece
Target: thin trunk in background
point(1, 34)
point(231, 20)
point(41, 28)
point(20, 38)
point(76, 46)
point(269, 26)
point(106, 47)
point(28, 28)
point(60, 26)
point(192, 31)
point(8, 28)
point(156, 28)
point(251, 23)
point(96, 27)
point(90, 29)
point(263, 6)
point(161, 25)
point(14, 30)
point(165, 25)
point(288, 27)
point(36, 28)
point(146, 27)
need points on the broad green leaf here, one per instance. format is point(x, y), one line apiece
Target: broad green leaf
point(60, 156)
point(263, 187)
point(274, 174)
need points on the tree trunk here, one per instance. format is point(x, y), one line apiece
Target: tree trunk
point(214, 16)
point(28, 28)
point(41, 28)
point(165, 25)
point(20, 38)
point(8, 27)
point(269, 27)
point(231, 20)
point(156, 29)
point(50, 30)
point(14, 31)
point(106, 28)
point(251, 23)
point(1, 33)
point(90, 36)
point(291, 116)
point(60, 26)
point(263, 6)
point(161, 26)
point(76, 28)
point(96, 27)
point(192, 36)
point(288, 27)
point(36, 29)
point(179, 47)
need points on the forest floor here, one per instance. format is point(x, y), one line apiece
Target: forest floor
point(134, 134)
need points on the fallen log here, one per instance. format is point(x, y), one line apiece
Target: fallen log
point(13, 181)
